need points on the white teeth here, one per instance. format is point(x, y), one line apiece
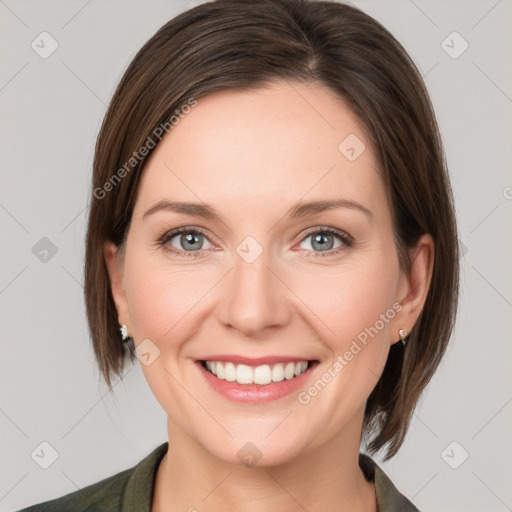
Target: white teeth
point(289, 371)
point(244, 374)
point(278, 372)
point(230, 372)
point(263, 374)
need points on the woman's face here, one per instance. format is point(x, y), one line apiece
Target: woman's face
point(259, 277)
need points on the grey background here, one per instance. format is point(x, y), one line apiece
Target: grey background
point(51, 111)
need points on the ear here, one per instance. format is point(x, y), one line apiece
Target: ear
point(413, 289)
point(114, 263)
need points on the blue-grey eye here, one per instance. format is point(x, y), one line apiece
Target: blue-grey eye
point(322, 241)
point(189, 241)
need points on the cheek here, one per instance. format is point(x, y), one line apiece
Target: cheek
point(165, 307)
point(348, 301)
point(343, 301)
point(163, 299)
point(353, 310)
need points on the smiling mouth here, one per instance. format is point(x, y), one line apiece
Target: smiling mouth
point(259, 375)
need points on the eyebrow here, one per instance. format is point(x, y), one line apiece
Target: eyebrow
point(299, 210)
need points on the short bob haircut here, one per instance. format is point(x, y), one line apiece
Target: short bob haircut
point(246, 44)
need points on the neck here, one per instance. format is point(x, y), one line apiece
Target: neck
point(190, 478)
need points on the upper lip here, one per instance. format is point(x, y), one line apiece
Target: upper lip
point(250, 361)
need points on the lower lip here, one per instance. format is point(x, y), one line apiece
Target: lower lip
point(255, 393)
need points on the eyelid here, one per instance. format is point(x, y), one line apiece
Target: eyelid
point(327, 229)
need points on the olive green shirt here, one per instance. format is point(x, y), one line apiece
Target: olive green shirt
point(131, 490)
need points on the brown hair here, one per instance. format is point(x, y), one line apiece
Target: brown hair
point(242, 44)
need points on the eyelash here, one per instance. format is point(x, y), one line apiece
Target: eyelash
point(347, 241)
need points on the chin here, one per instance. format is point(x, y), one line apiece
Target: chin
point(258, 452)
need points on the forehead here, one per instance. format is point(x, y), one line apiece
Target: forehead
point(269, 146)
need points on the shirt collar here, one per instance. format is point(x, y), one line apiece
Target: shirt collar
point(389, 498)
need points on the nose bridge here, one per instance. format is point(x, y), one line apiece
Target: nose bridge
point(256, 299)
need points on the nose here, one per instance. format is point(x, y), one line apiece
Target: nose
point(256, 298)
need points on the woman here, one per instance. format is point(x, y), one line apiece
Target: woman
point(272, 234)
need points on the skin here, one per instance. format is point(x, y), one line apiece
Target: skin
point(252, 155)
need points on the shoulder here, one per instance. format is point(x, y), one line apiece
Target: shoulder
point(103, 495)
point(389, 498)
point(127, 490)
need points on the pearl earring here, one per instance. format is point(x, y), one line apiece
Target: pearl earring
point(123, 330)
point(402, 336)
